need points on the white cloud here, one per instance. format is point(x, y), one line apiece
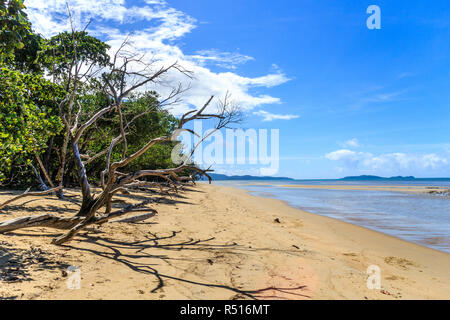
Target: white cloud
point(342, 154)
point(376, 95)
point(267, 116)
point(159, 27)
point(352, 143)
point(385, 97)
point(389, 162)
point(406, 75)
point(228, 60)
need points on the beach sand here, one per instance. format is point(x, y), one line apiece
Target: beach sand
point(215, 242)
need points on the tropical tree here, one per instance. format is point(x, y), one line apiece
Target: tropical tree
point(118, 91)
point(14, 27)
point(152, 121)
point(73, 60)
point(27, 120)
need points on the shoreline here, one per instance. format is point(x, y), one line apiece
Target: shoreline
point(217, 242)
point(286, 203)
point(388, 243)
point(426, 190)
point(422, 190)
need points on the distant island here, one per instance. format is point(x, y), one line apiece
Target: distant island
point(397, 178)
point(221, 177)
point(218, 176)
point(371, 178)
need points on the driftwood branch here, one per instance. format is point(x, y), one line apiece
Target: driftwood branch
point(64, 223)
point(137, 218)
point(28, 194)
point(43, 220)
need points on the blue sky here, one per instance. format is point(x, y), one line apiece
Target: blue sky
point(347, 100)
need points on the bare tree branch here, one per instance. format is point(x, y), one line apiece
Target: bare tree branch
point(28, 194)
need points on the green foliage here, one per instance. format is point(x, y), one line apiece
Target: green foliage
point(27, 117)
point(156, 122)
point(30, 120)
point(28, 58)
point(63, 50)
point(14, 27)
point(20, 48)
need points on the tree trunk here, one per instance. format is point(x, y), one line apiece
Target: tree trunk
point(43, 220)
point(44, 171)
point(60, 175)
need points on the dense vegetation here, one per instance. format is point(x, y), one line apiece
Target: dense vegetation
point(72, 115)
point(36, 100)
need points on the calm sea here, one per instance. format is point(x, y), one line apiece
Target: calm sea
point(419, 218)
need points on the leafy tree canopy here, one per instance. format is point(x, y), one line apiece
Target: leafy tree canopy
point(154, 123)
point(31, 116)
point(27, 117)
point(14, 27)
point(64, 50)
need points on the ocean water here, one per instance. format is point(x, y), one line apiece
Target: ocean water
point(420, 218)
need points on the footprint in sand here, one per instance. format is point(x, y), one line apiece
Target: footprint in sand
point(393, 277)
point(399, 262)
point(350, 254)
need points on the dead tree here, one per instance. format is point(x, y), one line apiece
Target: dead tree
point(131, 74)
point(79, 72)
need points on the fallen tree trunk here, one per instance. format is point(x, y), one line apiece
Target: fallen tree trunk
point(136, 218)
point(43, 220)
point(27, 194)
point(68, 223)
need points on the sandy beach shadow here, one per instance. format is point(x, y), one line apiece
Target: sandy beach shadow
point(130, 254)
